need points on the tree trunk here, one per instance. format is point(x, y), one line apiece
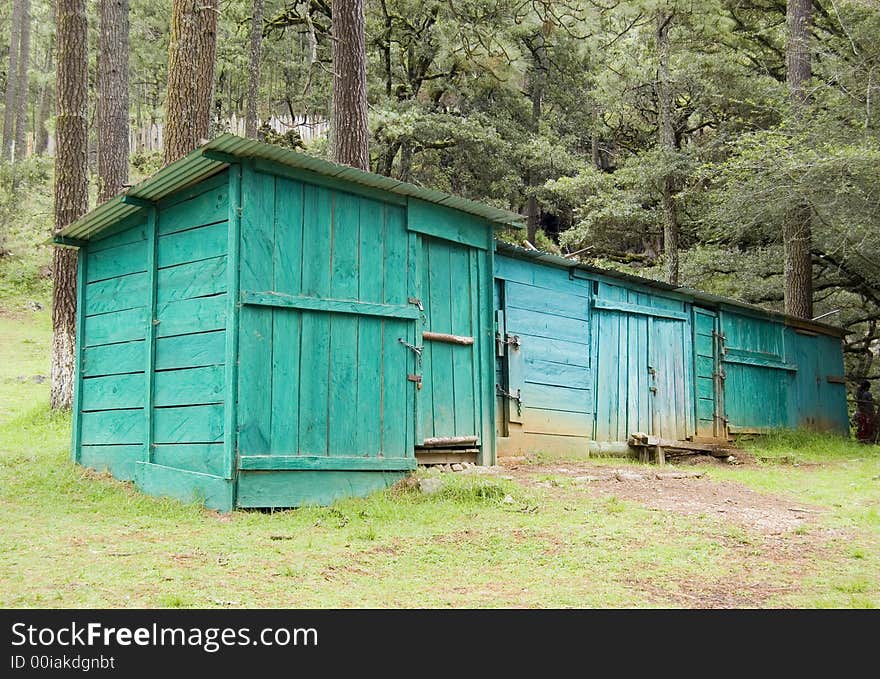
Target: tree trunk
point(21, 104)
point(537, 77)
point(667, 141)
point(797, 223)
point(595, 155)
point(11, 81)
point(190, 76)
point(71, 187)
point(349, 119)
point(253, 93)
point(113, 98)
point(41, 134)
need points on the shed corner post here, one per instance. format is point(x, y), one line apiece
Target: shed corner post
point(488, 451)
point(150, 333)
point(233, 310)
point(76, 415)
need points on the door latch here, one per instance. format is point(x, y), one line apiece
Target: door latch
point(500, 391)
point(415, 378)
point(507, 340)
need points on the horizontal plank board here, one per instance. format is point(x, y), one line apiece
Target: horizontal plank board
point(205, 458)
point(116, 261)
point(521, 321)
point(643, 309)
point(105, 427)
point(539, 371)
point(182, 317)
point(284, 488)
point(116, 294)
point(759, 362)
point(193, 279)
point(324, 462)
point(190, 386)
point(560, 303)
point(113, 359)
point(187, 486)
point(190, 424)
point(118, 460)
point(193, 245)
point(113, 391)
point(331, 305)
point(540, 275)
point(541, 421)
point(448, 224)
point(130, 230)
point(557, 398)
point(191, 351)
point(557, 350)
point(117, 326)
point(208, 206)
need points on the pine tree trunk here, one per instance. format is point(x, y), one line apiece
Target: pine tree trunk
point(797, 223)
point(537, 80)
point(190, 76)
point(21, 104)
point(349, 119)
point(253, 93)
point(71, 187)
point(113, 99)
point(667, 141)
point(41, 134)
point(11, 82)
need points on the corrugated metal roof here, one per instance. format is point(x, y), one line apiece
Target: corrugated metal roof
point(709, 298)
point(200, 164)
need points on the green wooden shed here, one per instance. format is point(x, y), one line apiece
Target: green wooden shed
point(260, 328)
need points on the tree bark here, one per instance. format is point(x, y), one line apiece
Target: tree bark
point(668, 142)
point(797, 223)
point(537, 77)
point(253, 94)
point(190, 76)
point(349, 119)
point(71, 187)
point(113, 98)
point(11, 81)
point(21, 103)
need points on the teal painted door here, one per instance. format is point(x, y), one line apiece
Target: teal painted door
point(449, 398)
point(668, 369)
point(707, 375)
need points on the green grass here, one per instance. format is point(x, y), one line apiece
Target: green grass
point(74, 538)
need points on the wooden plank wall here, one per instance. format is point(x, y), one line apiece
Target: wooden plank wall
point(815, 402)
point(758, 377)
point(550, 314)
point(182, 378)
point(111, 425)
point(322, 373)
point(191, 315)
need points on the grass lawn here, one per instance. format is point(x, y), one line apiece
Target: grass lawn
point(538, 536)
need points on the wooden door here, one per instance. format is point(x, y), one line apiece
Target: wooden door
point(449, 397)
point(669, 359)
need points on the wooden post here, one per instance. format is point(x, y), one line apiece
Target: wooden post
point(76, 431)
point(230, 434)
point(150, 332)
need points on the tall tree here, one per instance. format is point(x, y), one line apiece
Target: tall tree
point(21, 102)
point(112, 107)
point(797, 224)
point(253, 93)
point(349, 119)
point(71, 187)
point(666, 129)
point(191, 55)
point(47, 94)
point(11, 81)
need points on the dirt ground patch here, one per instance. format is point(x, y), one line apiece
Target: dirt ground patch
point(686, 491)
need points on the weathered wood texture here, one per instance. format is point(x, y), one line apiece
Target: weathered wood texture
point(154, 315)
point(322, 372)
